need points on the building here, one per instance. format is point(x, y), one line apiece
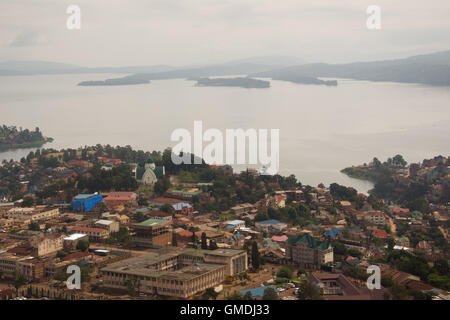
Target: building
point(335, 286)
point(183, 208)
point(242, 209)
point(120, 197)
point(149, 173)
point(95, 234)
point(152, 233)
point(110, 225)
point(32, 214)
point(308, 252)
point(271, 226)
point(86, 202)
point(157, 214)
point(48, 244)
point(176, 272)
point(236, 224)
point(70, 242)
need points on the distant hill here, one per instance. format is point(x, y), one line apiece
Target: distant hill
point(431, 69)
point(281, 61)
point(13, 68)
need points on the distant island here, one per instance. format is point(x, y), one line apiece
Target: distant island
point(233, 82)
point(114, 82)
point(11, 138)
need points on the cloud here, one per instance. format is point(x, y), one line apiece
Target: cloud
point(28, 39)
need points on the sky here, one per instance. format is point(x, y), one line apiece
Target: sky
point(189, 32)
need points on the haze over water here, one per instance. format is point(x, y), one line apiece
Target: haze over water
point(322, 129)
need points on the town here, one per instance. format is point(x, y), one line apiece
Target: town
point(140, 227)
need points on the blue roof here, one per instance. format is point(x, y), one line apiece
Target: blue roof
point(230, 226)
point(257, 292)
point(271, 221)
point(333, 232)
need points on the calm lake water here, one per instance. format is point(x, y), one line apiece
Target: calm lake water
point(322, 129)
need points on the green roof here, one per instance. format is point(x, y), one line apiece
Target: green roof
point(139, 172)
point(151, 223)
point(309, 241)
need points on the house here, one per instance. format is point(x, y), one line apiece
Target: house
point(70, 242)
point(309, 252)
point(183, 208)
point(95, 234)
point(271, 225)
point(235, 224)
point(120, 197)
point(110, 225)
point(380, 234)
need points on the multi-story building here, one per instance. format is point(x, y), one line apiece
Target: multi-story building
point(95, 234)
point(110, 225)
point(47, 244)
point(176, 272)
point(32, 214)
point(306, 251)
point(152, 233)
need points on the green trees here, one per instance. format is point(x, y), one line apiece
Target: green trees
point(255, 256)
point(27, 202)
point(203, 241)
point(285, 272)
point(235, 296)
point(309, 291)
point(162, 185)
point(61, 254)
point(83, 245)
point(270, 294)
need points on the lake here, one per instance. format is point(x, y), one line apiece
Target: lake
point(322, 129)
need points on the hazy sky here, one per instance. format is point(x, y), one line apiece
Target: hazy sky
point(147, 32)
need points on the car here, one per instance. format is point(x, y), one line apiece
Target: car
point(281, 289)
point(291, 285)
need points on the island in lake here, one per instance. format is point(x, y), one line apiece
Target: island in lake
point(12, 137)
point(233, 82)
point(114, 82)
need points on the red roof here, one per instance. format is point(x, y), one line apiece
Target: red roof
point(120, 196)
point(282, 238)
point(381, 234)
